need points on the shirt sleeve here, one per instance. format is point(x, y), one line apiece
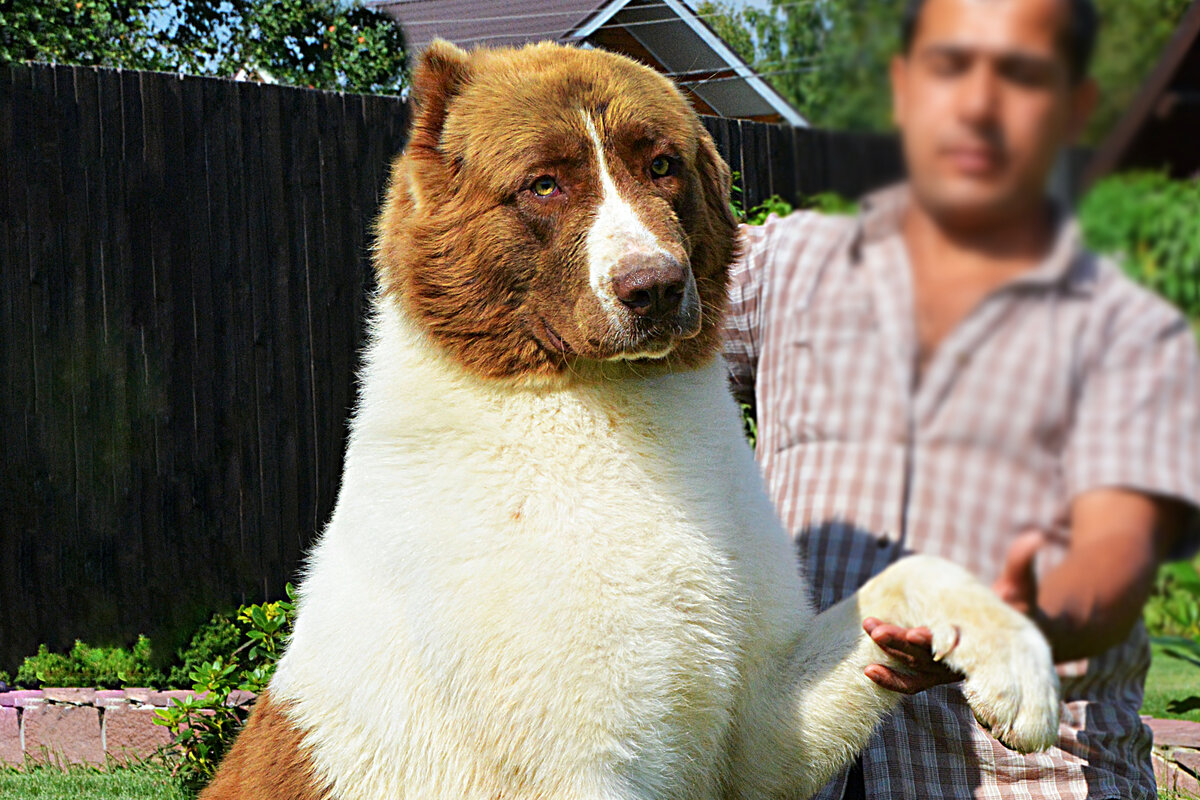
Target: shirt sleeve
point(1137, 425)
point(743, 317)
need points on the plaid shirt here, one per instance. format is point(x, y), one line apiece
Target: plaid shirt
point(1067, 379)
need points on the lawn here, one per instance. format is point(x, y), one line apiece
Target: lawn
point(54, 783)
point(1172, 688)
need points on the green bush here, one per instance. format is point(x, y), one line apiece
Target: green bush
point(1172, 612)
point(219, 638)
point(84, 665)
point(823, 202)
point(1151, 224)
point(204, 726)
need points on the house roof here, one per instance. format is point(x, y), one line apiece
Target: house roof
point(1161, 127)
point(665, 34)
point(499, 23)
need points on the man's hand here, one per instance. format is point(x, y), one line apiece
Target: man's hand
point(913, 648)
point(1017, 584)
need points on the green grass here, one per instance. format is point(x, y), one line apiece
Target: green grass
point(1172, 688)
point(145, 782)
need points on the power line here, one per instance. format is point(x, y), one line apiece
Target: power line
point(558, 32)
point(703, 82)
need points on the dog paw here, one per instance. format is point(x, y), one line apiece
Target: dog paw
point(1012, 688)
point(1010, 680)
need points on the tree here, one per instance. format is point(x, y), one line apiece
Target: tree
point(829, 58)
point(1132, 38)
point(323, 44)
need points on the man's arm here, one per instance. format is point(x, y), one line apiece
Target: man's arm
point(1090, 601)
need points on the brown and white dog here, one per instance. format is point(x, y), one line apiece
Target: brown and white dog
point(553, 571)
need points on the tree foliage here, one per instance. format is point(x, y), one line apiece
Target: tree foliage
point(1148, 222)
point(323, 44)
point(829, 58)
point(1132, 39)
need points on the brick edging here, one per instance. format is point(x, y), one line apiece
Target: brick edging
point(91, 726)
point(86, 726)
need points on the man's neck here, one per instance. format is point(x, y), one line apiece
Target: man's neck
point(1008, 244)
point(954, 268)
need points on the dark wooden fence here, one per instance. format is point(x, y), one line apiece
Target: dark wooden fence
point(184, 262)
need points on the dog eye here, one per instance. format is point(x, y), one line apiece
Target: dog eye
point(661, 166)
point(544, 186)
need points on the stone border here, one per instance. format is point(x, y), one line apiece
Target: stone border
point(91, 726)
point(1176, 755)
point(86, 726)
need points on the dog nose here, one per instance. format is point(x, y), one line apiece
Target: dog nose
point(650, 286)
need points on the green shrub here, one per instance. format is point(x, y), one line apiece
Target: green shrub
point(219, 638)
point(203, 726)
point(823, 202)
point(1149, 222)
point(84, 665)
point(1172, 612)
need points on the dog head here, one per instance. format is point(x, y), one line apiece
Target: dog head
point(555, 208)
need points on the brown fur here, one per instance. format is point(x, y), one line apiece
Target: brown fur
point(486, 267)
point(267, 761)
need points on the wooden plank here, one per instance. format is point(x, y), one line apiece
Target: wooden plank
point(103, 419)
point(340, 287)
point(189, 340)
point(11, 433)
point(213, 276)
point(54, 442)
point(260, 370)
point(137, 278)
point(283, 402)
point(322, 279)
point(759, 162)
point(237, 436)
point(21, 526)
point(100, 107)
point(817, 163)
point(86, 571)
point(307, 204)
point(735, 162)
point(783, 162)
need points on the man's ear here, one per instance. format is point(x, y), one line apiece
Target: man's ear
point(442, 71)
point(897, 72)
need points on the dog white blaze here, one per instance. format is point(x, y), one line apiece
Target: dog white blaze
point(617, 231)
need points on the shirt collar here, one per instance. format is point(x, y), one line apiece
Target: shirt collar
point(1068, 263)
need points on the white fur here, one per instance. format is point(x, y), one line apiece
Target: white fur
point(616, 231)
point(528, 592)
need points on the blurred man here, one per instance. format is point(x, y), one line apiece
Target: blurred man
point(951, 370)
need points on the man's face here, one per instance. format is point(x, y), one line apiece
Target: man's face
point(984, 101)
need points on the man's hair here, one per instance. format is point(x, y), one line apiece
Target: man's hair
point(1078, 40)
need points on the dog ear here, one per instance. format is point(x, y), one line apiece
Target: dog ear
point(442, 72)
point(715, 181)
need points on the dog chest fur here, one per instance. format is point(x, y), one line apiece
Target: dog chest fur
point(491, 534)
